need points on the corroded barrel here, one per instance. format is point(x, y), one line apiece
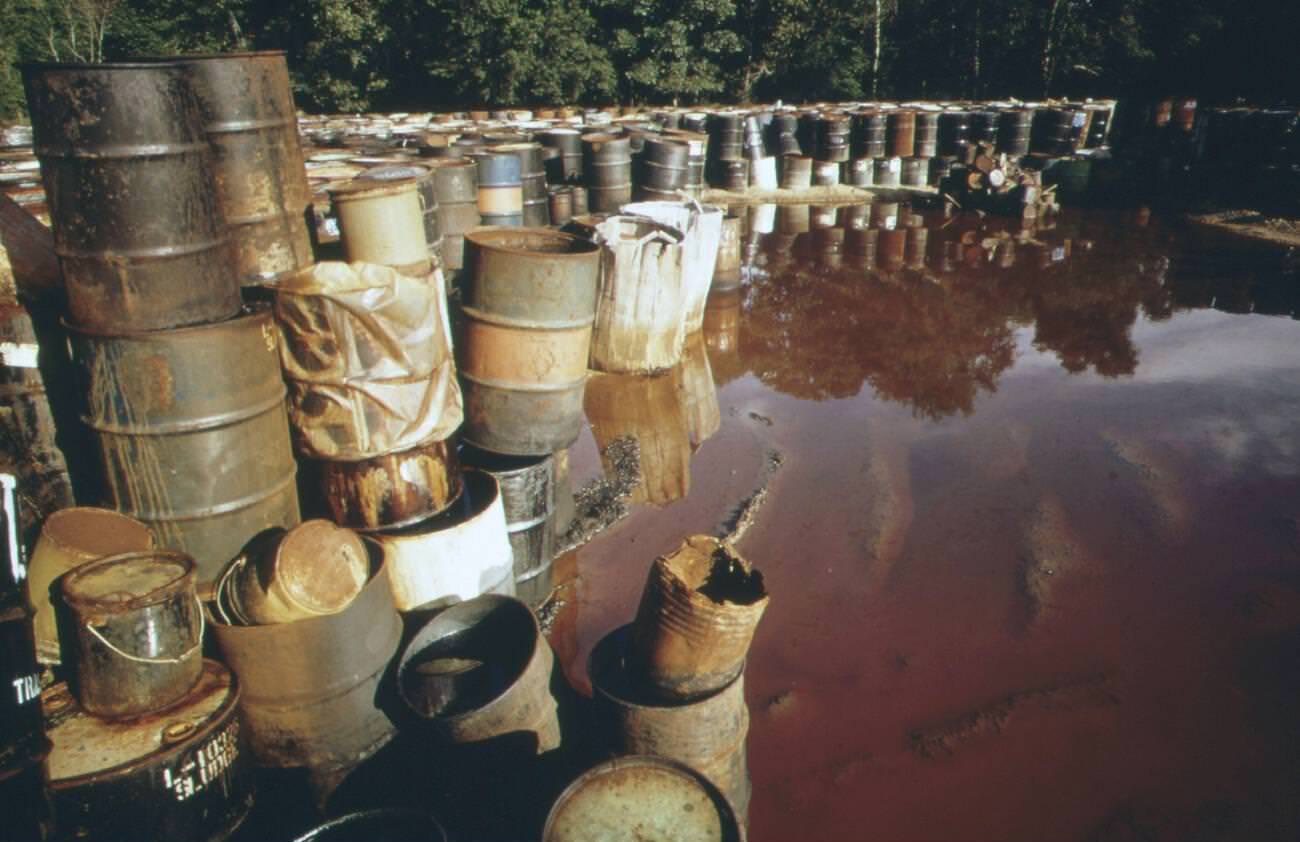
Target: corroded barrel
point(902, 134)
point(532, 180)
point(796, 172)
point(455, 182)
point(1014, 130)
point(927, 133)
point(569, 142)
point(868, 134)
point(607, 164)
point(664, 163)
point(193, 433)
point(138, 225)
point(529, 304)
point(500, 189)
point(249, 118)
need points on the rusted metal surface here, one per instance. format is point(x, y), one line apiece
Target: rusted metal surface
point(529, 305)
point(641, 309)
point(458, 555)
point(527, 486)
point(250, 121)
point(384, 823)
point(182, 773)
point(383, 222)
point(708, 734)
point(902, 134)
point(642, 799)
point(138, 632)
point(70, 538)
point(650, 409)
point(502, 633)
point(796, 172)
point(309, 687)
point(31, 251)
point(698, 612)
point(192, 431)
point(138, 224)
point(285, 575)
point(393, 490)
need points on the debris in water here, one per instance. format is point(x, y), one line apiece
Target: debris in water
point(602, 502)
point(735, 526)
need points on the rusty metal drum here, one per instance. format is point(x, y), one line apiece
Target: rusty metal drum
point(286, 575)
point(138, 224)
point(500, 189)
point(393, 490)
point(252, 126)
point(455, 182)
point(529, 305)
point(532, 180)
point(309, 687)
point(707, 734)
point(607, 165)
point(902, 134)
point(181, 773)
point(481, 669)
point(642, 799)
point(192, 431)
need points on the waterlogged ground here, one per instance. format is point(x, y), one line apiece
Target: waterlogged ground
point(1030, 530)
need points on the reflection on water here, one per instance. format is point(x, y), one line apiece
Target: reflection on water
point(1030, 523)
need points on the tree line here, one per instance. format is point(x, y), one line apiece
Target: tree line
point(358, 55)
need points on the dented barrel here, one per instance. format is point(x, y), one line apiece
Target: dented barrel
point(138, 225)
point(192, 431)
point(252, 127)
point(529, 304)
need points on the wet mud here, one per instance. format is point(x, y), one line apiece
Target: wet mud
point(1031, 537)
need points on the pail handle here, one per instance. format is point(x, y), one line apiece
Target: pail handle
point(137, 659)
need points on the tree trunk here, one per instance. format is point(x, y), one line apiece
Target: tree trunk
point(1049, 46)
point(875, 58)
point(975, 49)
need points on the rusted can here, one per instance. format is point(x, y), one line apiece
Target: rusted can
point(642, 798)
point(726, 273)
point(285, 575)
point(697, 617)
point(309, 687)
point(796, 172)
point(382, 222)
point(70, 538)
point(607, 168)
point(902, 134)
point(383, 823)
point(861, 244)
point(193, 433)
point(457, 555)
point(651, 410)
point(532, 181)
point(139, 631)
point(527, 486)
point(508, 692)
point(182, 773)
point(393, 490)
point(138, 225)
point(825, 174)
point(707, 734)
point(427, 191)
point(252, 127)
point(641, 307)
point(529, 305)
point(701, 226)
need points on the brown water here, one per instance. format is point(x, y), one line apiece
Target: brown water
point(1032, 543)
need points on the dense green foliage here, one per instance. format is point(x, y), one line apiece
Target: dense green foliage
point(349, 55)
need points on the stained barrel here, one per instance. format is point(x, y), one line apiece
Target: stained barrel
point(902, 134)
point(532, 180)
point(428, 195)
point(927, 133)
point(500, 189)
point(252, 126)
point(664, 165)
point(529, 305)
point(193, 433)
point(138, 224)
point(569, 142)
point(1015, 128)
point(382, 222)
point(607, 165)
point(455, 182)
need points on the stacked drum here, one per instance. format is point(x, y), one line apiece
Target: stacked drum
point(183, 388)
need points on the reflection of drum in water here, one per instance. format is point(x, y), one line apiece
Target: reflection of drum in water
point(699, 394)
point(649, 409)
